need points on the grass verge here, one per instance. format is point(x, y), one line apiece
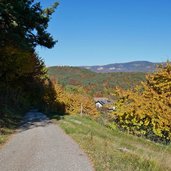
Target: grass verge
point(8, 123)
point(112, 150)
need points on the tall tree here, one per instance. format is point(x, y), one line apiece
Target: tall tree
point(24, 23)
point(23, 26)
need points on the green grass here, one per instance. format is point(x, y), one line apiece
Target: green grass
point(4, 135)
point(112, 150)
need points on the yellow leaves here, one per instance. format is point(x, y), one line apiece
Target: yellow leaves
point(73, 102)
point(147, 107)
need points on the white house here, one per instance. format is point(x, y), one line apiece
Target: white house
point(99, 104)
point(101, 101)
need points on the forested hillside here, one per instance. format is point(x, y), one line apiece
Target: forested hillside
point(96, 84)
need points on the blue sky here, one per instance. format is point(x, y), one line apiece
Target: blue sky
point(96, 32)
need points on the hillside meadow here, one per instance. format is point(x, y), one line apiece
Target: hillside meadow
point(111, 149)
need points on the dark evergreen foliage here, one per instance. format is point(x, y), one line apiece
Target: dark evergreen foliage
point(23, 23)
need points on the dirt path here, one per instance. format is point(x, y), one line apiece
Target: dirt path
point(40, 145)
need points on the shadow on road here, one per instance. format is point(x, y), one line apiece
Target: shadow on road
point(34, 119)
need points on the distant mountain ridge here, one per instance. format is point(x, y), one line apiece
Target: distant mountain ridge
point(135, 66)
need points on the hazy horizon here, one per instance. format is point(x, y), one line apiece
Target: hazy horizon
point(105, 64)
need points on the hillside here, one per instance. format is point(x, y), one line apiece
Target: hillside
point(135, 66)
point(110, 149)
point(96, 84)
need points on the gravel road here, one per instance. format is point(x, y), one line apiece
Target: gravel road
point(39, 145)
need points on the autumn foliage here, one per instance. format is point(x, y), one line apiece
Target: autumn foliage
point(146, 110)
point(74, 100)
point(94, 84)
